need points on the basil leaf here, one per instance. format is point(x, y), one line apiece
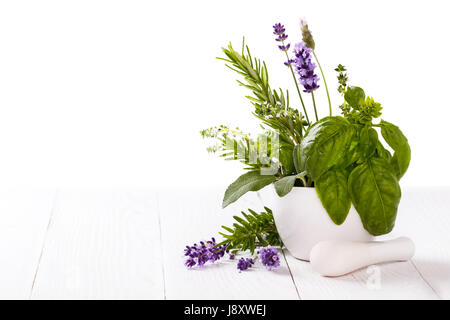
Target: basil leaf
point(332, 190)
point(250, 181)
point(382, 152)
point(354, 95)
point(326, 145)
point(368, 139)
point(375, 193)
point(398, 142)
point(353, 153)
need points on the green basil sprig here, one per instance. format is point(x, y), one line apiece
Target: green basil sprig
point(349, 164)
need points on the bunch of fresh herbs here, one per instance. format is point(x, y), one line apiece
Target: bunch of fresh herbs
point(342, 157)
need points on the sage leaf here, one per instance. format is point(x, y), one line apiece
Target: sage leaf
point(296, 158)
point(354, 95)
point(398, 142)
point(331, 187)
point(375, 193)
point(286, 159)
point(250, 181)
point(326, 145)
point(285, 185)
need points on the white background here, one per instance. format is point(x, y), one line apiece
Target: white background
point(114, 93)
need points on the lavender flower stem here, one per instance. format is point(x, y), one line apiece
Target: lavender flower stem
point(324, 81)
point(298, 89)
point(314, 103)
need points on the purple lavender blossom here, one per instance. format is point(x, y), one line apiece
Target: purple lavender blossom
point(305, 67)
point(269, 258)
point(279, 30)
point(199, 254)
point(289, 62)
point(244, 264)
point(284, 47)
point(190, 262)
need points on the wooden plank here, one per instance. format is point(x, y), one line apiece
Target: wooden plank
point(399, 280)
point(106, 245)
point(424, 216)
point(24, 217)
point(190, 216)
point(102, 245)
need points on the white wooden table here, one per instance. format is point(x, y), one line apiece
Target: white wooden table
point(128, 244)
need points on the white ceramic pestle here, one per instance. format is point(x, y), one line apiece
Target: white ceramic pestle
point(336, 258)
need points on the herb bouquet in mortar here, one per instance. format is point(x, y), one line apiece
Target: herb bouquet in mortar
point(324, 178)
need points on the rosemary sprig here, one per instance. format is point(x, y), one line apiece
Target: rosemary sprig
point(271, 106)
point(251, 231)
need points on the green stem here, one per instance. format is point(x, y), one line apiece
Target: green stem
point(298, 89)
point(324, 81)
point(302, 128)
point(314, 103)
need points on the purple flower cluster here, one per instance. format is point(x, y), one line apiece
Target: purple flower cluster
point(269, 258)
point(199, 254)
point(279, 30)
point(244, 264)
point(305, 67)
point(208, 251)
